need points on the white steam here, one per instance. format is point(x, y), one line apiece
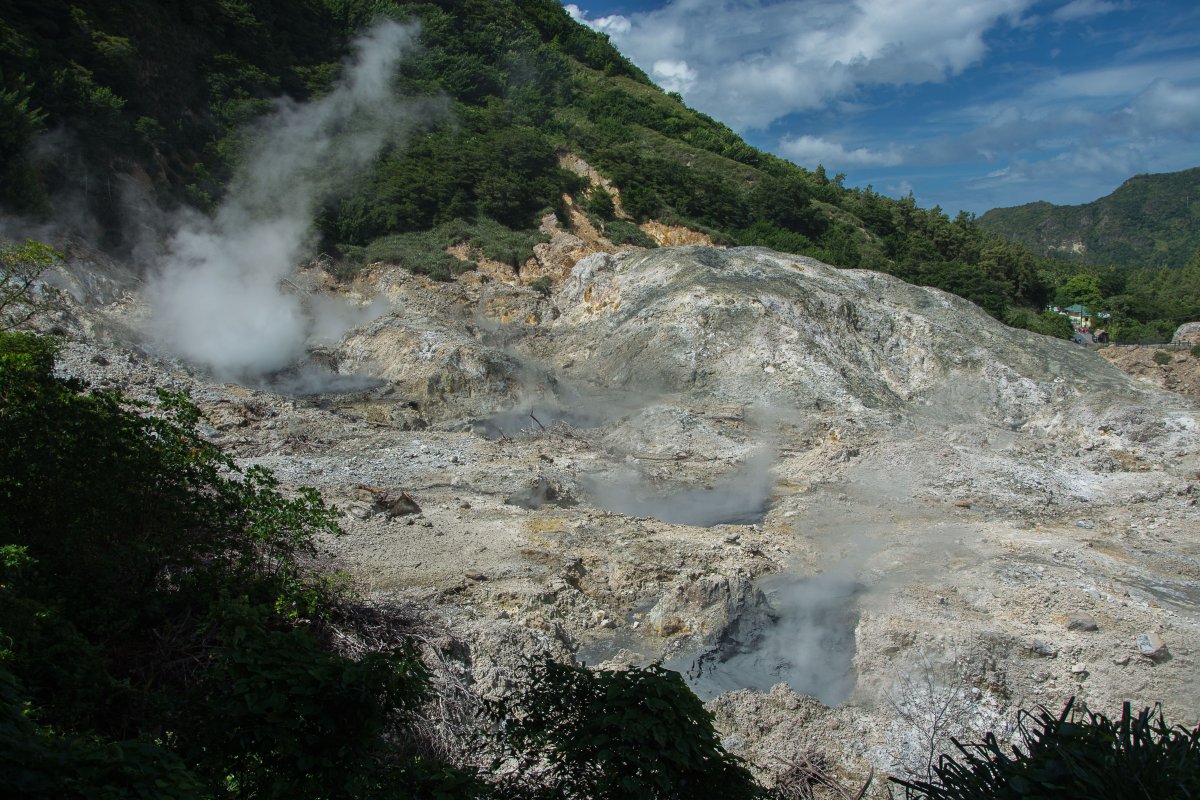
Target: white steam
point(217, 296)
point(740, 497)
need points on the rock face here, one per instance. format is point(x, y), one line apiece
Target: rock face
point(750, 325)
point(745, 462)
point(1173, 370)
point(1187, 334)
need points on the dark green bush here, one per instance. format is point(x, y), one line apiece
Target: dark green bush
point(600, 202)
point(613, 735)
point(159, 634)
point(1048, 323)
point(417, 252)
point(1162, 357)
point(1076, 755)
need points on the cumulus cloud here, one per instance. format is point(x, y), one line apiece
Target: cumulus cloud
point(755, 61)
point(674, 76)
point(812, 150)
point(612, 24)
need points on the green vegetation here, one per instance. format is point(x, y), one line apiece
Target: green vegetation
point(1141, 255)
point(1149, 221)
point(615, 735)
point(165, 90)
point(161, 636)
point(20, 267)
point(1162, 357)
point(1076, 755)
point(1146, 305)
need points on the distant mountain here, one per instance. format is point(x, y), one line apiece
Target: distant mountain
point(1149, 221)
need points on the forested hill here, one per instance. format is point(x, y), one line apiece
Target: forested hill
point(162, 91)
point(1149, 221)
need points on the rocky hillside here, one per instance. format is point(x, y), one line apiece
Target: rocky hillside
point(1149, 221)
point(1175, 369)
point(759, 467)
point(117, 109)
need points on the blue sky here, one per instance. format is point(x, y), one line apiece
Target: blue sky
point(969, 104)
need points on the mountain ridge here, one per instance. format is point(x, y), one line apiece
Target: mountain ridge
point(1150, 220)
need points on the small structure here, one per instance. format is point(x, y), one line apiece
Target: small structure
point(1081, 318)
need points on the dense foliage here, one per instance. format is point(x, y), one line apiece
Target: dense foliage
point(587, 735)
point(161, 636)
point(21, 292)
point(1149, 221)
point(1075, 755)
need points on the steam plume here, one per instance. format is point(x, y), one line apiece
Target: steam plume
point(740, 497)
point(216, 297)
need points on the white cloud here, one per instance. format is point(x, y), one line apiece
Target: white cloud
point(1166, 106)
point(674, 76)
point(762, 60)
point(812, 150)
point(612, 24)
point(1082, 9)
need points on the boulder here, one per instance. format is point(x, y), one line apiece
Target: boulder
point(1187, 334)
point(1151, 646)
point(1082, 622)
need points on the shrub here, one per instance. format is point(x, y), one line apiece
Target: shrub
point(542, 286)
point(1048, 323)
point(605, 735)
point(416, 252)
point(619, 231)
point(1076, 755)
point(21, 265)
point(159, 630)
point(1162, 357)
point(600, 202)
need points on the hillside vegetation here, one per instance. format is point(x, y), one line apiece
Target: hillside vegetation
point(162, 92)
point(1149, 221)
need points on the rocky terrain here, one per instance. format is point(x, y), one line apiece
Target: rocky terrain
point(787, 480)
point(1173, 368)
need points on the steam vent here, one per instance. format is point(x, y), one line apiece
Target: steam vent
point(819, 494)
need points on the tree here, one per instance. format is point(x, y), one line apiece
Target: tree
point(159, 635)
point(20, 268)
point(1080, 289)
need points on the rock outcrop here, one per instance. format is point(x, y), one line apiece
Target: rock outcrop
point(938, 504)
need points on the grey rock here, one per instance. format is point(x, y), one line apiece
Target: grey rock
point(1082, 622)
point(1151, 646)
point(1043, 648)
